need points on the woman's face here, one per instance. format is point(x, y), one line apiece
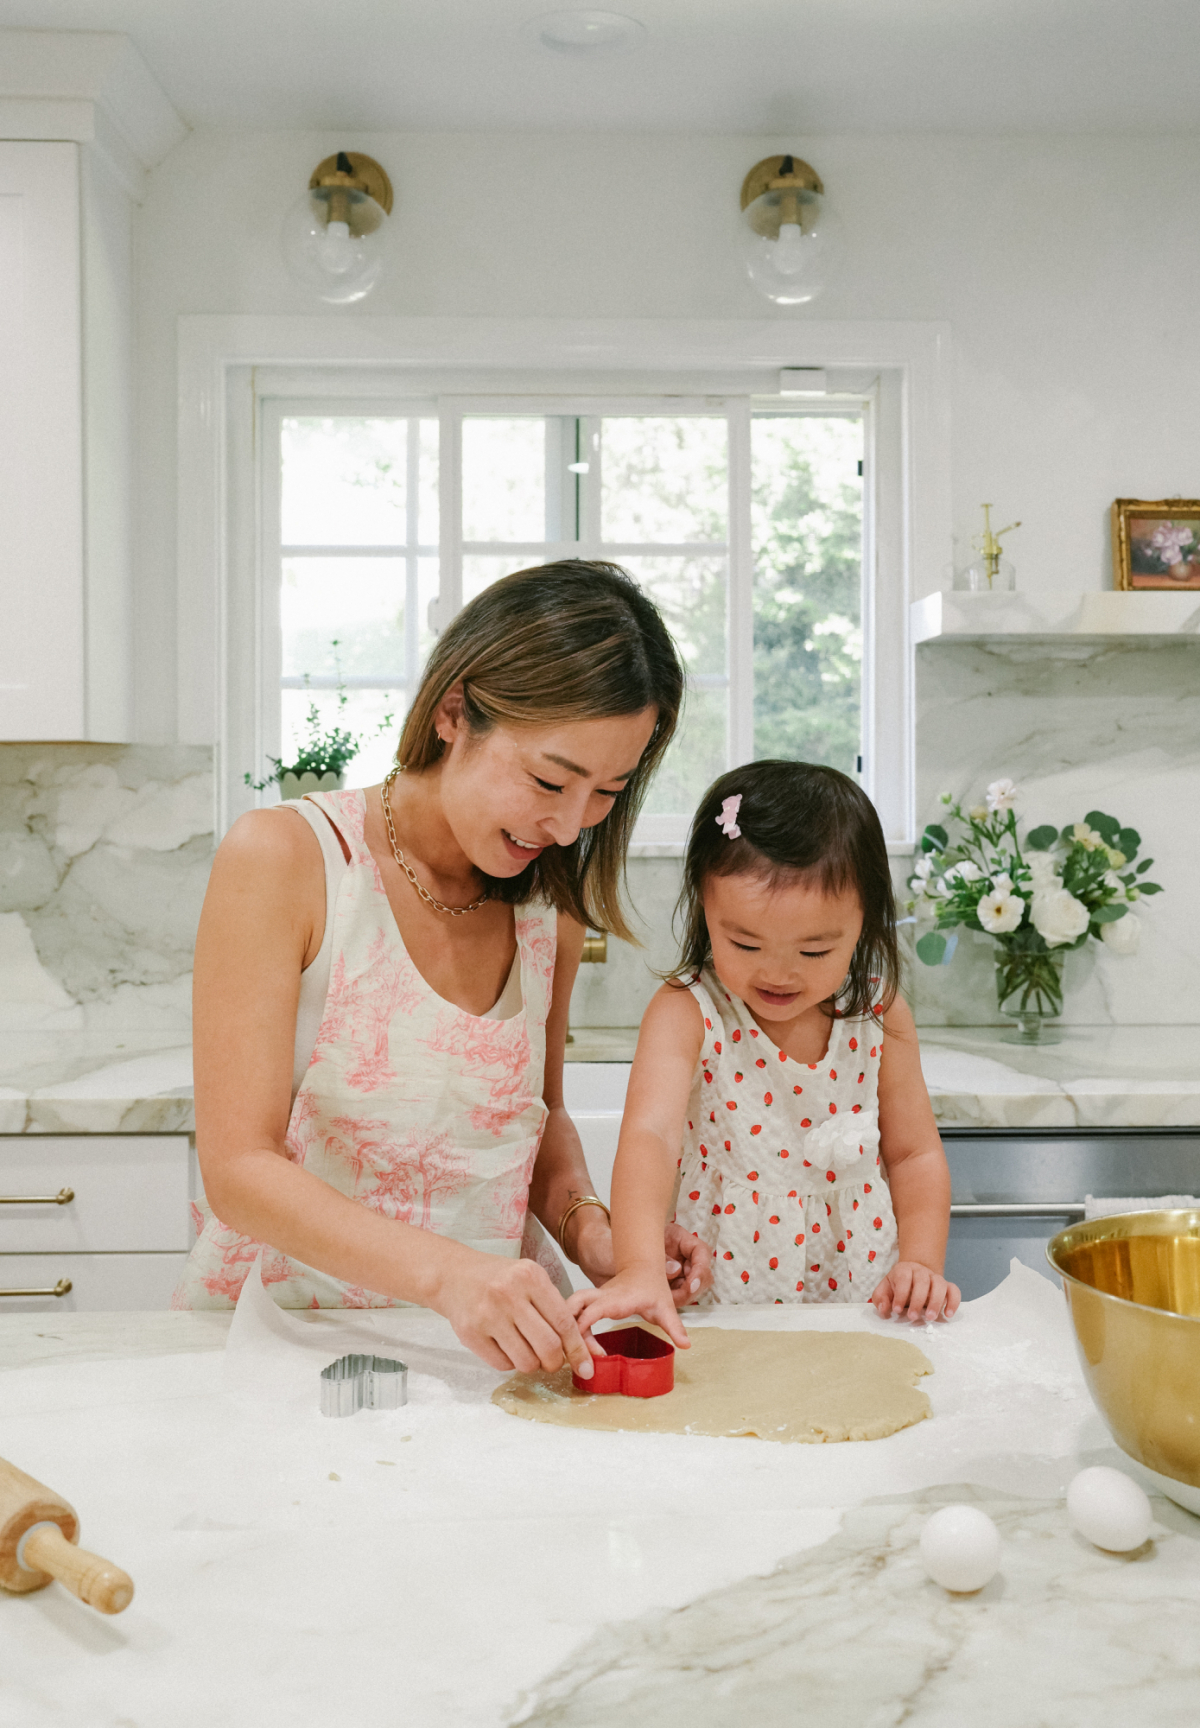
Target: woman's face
point(515, 791)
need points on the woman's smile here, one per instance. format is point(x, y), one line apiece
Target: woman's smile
point(525, 850)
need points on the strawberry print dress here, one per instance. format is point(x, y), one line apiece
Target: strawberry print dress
point(410, 1105)
point(780, 1173)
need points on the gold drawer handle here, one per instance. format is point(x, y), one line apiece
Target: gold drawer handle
point(64, 1197)
point(62, 1288)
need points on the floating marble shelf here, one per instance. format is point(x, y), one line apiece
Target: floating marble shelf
point(960, 617)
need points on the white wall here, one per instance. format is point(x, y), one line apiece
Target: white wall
point(1066, 267)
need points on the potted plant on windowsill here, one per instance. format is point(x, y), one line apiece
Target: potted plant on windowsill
point(1036, 899)
point(323, 756)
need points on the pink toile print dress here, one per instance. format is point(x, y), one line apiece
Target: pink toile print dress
point(780, 1173)
point(409, 1105)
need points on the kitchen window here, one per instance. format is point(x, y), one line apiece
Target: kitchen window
point(742, 517)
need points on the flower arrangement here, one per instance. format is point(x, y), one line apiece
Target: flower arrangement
point(326, 751)
point(1037, 899)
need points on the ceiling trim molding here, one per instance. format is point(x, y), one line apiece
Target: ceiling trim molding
point(87, 87)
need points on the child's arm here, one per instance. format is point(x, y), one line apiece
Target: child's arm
point(664, 1066)
point(918, 1176)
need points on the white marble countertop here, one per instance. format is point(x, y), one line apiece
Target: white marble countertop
point(446, 1564)
point(56, 1082)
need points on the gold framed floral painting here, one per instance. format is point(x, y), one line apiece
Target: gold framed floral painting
point(1156, 544)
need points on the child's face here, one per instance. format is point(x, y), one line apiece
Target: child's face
point(784, 948)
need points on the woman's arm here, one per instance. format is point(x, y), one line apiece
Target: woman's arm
point(262, 919)
point(918, 1177)
point(660, 1083)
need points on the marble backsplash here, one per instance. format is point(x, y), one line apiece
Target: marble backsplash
point(104, 856)
point(105, 849)
point(1079, 726)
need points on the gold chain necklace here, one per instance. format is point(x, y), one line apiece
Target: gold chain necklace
point(452, 911)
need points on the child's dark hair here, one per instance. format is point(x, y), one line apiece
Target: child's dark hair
point(797, 819)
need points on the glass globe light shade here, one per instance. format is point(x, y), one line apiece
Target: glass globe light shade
point(786, 240)
point(333, 242)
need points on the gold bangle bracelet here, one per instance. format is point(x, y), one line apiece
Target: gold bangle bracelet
point(587, 1200)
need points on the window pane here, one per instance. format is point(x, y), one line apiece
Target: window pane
point(504, 478)
point(698, 753)
point(344, 481)
point(362, 715)
point(807, 537)
point(359, 602)
point(663, 479)
point(429, 527)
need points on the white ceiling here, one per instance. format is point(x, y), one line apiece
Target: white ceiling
point(773, 66)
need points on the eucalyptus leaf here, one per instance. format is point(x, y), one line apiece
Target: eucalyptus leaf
point(1109, 914)
point(1150, 887)
point(931, 948)
point(1106, 826)
point(935, 832)
point(1041, 839)
point(1143, 866)
point(1127, 841)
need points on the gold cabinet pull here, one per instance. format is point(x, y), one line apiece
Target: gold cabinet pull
point(62, 1288)
point(64, 1197)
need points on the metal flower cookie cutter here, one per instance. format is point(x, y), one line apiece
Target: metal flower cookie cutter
point(637, 1364)
point(363, 1383)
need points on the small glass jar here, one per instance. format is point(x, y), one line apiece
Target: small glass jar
point(978, 578)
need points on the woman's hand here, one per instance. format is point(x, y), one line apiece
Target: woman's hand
point(687, 1262)
point(911, 1291)
point(634, 1290)
point(509, 1313)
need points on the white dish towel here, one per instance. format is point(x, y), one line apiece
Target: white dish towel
point(1106, 1208)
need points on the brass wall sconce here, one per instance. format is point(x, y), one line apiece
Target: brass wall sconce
point(333, 237)
point(785, 229)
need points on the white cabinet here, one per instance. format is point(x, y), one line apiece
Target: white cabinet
point(65, 387)
point(106, 1213)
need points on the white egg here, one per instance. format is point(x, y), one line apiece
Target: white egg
point(1109, 1509)
point(960, 1547)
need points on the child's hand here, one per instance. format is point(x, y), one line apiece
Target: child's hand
point(694, 1260)
point(911, 1291)
point(635, 1290)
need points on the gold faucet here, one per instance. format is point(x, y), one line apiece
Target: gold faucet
point(988, 544)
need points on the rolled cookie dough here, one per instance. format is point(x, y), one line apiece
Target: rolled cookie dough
point(808, 1386)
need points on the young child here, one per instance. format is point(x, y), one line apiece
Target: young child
point(781, 1062)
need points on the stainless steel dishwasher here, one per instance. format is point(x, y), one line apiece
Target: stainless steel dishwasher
point(1014, 1188)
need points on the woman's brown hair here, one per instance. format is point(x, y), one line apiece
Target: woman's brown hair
point(562, 642)
point(797, 819)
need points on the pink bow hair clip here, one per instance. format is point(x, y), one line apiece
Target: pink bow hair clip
point(729, 815)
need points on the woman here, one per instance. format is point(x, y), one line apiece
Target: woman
point(383, 979)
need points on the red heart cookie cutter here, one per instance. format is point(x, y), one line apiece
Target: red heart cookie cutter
point(637, 1364)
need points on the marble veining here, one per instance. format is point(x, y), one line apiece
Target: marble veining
point(854, 1632)
point(68, 1082)
point(104, 857)
point(1079, 726)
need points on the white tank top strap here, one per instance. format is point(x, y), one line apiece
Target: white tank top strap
point(314, 980)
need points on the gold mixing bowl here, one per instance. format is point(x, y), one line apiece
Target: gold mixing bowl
point(1132, 1284)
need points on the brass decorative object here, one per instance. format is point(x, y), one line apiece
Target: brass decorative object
point(1132, 1284)
point(797, 184)
point(988, 545)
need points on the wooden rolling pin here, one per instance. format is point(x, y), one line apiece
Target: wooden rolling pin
point(38, 1537)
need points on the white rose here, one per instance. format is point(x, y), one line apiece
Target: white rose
point(1058, 917)
point(1001, 795)
point(999, 913)
point(1123, 934)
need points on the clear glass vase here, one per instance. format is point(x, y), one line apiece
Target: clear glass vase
point(1029, 990)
